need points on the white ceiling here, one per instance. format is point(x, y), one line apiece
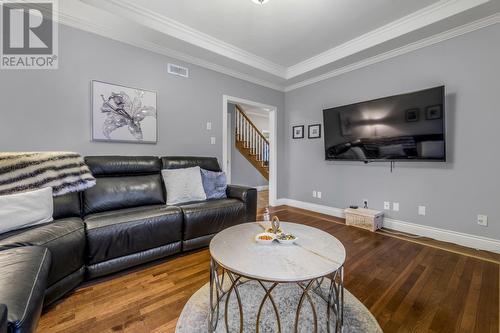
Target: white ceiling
point(283, 44)
point(284, 31)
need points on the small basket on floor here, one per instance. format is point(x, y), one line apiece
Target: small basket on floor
point(364, 218)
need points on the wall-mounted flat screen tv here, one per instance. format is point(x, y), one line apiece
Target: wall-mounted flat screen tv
point(407, 127)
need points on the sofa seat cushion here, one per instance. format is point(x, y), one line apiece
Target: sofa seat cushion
point(64, 238)
point(209, 217)
point(126, 231)
point(23, 279)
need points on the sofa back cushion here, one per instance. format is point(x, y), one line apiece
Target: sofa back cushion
point(67, 205)
point(179, 162)
point(123, 182)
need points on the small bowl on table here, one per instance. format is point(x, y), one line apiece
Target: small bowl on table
point(286, 239)
point(265, 238)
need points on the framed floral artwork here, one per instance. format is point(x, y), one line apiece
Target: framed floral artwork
point(123, 114)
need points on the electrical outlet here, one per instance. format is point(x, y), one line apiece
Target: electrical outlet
point(315, 194)
point(212, 140)
point(209, 126)
point(387, 205)
point(482, 220)
point(319, 195)
point(421, 210)
point(395, 206)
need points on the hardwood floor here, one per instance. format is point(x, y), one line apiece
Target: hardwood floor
point(408, 286)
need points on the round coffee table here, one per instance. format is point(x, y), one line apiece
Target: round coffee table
point(314, 257)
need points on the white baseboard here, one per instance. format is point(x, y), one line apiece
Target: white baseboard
point(472, 241)
point(337, 212)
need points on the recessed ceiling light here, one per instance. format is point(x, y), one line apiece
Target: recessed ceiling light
point(260, 2)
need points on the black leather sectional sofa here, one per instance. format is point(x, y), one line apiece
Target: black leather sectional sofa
point(121, 222)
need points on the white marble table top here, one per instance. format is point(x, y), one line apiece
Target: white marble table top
point(315, 254)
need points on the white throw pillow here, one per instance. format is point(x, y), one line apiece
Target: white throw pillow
point(21, 210)
point(183, 185)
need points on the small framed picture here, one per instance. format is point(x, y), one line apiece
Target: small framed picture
point(434, 112)
point(314, 131)
point(298, 132)
point(412, 115)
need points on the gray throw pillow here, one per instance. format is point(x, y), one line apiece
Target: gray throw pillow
point(183, 185)
point(214, 184)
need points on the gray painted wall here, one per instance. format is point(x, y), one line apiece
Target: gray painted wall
point(262, 123)
point(50, 110)
point(455, 192)
point(242, 172)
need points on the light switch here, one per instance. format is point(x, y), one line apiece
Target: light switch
point(319, 195)
point(212, 140)
point(387, 205)
point(421, 210)
point(209, 126)
point(395, 206)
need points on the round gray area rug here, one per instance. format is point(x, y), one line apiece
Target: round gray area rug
point(194, 316)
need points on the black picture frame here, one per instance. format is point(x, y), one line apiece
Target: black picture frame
point(298, 132)
point(412, 115)
point(310, 131)
point(433, 112)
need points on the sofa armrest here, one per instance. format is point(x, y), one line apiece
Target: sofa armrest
point(3, 318)
point(23, 281)
point(249, 197)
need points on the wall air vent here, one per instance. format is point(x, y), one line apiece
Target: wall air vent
point(178, 70)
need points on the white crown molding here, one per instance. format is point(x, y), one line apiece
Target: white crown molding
point(116, 34)
point(105, 31)
point(472, 241)
point(459, 31)
point(419, 19)
point(187, 34)
point(416, 20)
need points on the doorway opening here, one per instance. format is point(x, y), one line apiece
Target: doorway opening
point(249, 144)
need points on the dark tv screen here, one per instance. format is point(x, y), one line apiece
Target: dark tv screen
point(407, 127)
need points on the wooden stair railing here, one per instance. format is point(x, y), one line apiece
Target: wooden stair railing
point(251, 143)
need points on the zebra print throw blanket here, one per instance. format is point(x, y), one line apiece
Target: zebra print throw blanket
point(64, 172)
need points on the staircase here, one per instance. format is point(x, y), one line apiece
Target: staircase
point(251, 143)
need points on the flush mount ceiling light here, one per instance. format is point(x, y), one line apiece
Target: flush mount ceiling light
point(260, 2)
